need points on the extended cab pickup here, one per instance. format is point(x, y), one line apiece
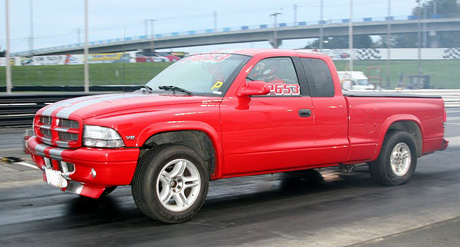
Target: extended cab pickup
point(228, 114)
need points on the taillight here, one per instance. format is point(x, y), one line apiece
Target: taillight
point(444, 120)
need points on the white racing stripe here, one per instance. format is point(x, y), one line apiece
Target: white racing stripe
point(63, 144)
point(49, 110)
point(40, 149)
point(56, 153)
point(66, 112)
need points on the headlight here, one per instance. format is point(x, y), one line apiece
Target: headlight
point(101, 137)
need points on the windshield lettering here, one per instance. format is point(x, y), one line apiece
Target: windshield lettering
point(203, 74)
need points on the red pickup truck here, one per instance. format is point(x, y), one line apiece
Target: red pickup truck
point(228, 114)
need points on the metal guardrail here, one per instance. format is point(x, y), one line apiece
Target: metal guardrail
point(451, 96)
point(18, 110)
point(105, 88)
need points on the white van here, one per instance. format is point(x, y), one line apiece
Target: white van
point(354, 80)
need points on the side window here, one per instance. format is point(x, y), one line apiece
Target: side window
point(319, 77)
point(279, 73)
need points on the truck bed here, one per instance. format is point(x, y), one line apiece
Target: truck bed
point(372, 114)
point(386, 94)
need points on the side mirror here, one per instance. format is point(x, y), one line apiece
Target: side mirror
point(253, 88)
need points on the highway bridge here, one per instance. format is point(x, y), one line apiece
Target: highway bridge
point(285, 31)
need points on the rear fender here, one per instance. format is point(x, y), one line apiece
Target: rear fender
point(386, 126)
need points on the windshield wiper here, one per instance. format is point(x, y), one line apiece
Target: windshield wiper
point(149, 89)
point(175, 89)
point(144, 89)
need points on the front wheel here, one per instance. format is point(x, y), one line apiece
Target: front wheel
point(397, 160)
point(171, 184)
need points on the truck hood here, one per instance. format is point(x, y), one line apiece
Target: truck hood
point(90, 106)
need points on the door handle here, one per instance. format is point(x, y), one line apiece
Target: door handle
point(304, 112)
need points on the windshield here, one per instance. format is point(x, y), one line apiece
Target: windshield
point(362, 82)
point(204, 74)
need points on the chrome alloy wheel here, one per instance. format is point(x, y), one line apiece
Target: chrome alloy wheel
point(400, 159)
point(178, 185)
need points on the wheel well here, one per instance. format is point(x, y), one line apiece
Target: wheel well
point(412, 128)
point(196, 140)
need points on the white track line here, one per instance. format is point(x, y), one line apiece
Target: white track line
point(26, 164)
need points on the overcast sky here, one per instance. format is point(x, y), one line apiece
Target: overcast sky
point(55, 22)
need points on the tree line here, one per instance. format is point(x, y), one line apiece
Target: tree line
point(444, 8)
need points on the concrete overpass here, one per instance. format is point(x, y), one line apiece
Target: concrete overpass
point(260, 33)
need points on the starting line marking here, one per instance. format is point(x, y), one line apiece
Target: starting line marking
point(27, 164)
point(22, 163)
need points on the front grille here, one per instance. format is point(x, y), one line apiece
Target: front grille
point(46, 120)
point(68, 136)
point(58, 131)
point(46, 132)
point(68, 123)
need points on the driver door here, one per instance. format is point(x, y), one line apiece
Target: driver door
point(271, 132)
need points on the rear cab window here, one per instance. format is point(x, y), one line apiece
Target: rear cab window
point(319, 77)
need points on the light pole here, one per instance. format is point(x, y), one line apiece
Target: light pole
point(388, 43)
point(419, 41)
point(31, 44)
point(78, 30)
point(424, 28)
point(86, 51)
point(275, 34)
point(152, 33)
point(7, 55)
point(295, 14)
point(215, 21)
point(321, 34)
point(350, 35)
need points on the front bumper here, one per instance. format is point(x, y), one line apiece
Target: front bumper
point(94, 168)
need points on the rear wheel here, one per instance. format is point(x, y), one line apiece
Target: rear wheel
point(171, 184)
point(397, 160)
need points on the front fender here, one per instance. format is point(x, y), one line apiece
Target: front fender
point(170, 126)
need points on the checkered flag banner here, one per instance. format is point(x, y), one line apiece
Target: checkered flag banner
point(452, 53)
point(368, 54)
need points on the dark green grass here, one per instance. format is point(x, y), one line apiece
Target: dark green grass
point(444, 73)
point(72, 75)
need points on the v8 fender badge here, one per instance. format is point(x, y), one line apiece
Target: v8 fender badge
point(130, 137)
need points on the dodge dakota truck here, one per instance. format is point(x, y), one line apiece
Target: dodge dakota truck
point(228, 114)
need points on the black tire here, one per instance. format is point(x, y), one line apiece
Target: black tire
point(402, 146)
point(157, 177)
